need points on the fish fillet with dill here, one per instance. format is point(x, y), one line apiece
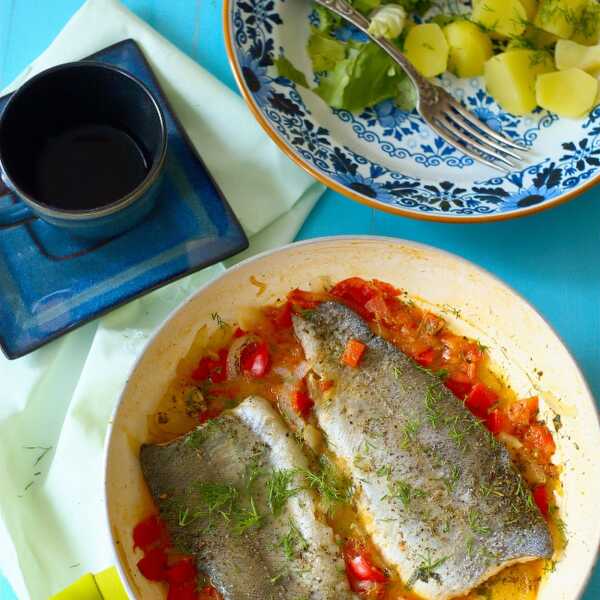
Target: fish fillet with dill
point(438, 495)
point(233, 495)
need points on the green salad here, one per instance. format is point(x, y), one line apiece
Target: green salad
point(530, 53)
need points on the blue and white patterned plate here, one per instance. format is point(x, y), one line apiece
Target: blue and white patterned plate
point(388, 158)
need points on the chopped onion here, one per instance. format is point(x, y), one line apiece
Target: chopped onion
point(235, 353)
point(510, 440)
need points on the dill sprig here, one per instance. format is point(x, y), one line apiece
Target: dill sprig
point(426, 569)
point(293, 543)
point(279, 489)
point(474, 520)
point(333, 487)
point(405, 492)
point(196, 438)
point(246, 518)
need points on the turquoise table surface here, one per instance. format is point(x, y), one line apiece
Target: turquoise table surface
point(552, 258)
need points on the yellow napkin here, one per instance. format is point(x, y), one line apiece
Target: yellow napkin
point(54, 530)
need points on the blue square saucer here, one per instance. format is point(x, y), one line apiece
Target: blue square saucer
point(51, 283)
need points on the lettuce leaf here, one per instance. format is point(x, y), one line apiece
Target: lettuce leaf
point(286, 69)
point(324, 51)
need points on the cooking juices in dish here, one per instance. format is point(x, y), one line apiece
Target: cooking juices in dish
point(371, 424)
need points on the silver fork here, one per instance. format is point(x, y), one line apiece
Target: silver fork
point(445, 115)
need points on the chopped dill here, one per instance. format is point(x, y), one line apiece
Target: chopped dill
point(409, 432)
point(432, 398)
point(216, 317)
point(246, 518)
point(293, 543)
point(196, 438)
point(333, 487)
point(219, 498)
point(385, 471)
point(452, 479)
point(405, 492)
point(42, 455)
point(279, 489)
point(474, 520)
point(426, 569)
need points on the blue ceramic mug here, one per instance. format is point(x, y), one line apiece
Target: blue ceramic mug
point(82, 146)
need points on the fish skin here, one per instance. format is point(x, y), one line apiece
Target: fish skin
point(251, 565)
point(427, 473)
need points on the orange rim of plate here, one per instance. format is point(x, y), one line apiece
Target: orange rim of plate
point(344, 191)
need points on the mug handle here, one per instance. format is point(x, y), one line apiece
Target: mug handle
point(13, 212)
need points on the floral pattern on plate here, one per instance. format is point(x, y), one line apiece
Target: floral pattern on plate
point(391, 157)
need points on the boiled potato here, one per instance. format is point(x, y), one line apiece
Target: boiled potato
point(427, 49)
point(568, 54)
point(571, 93)
point(507, 17)
point(587, 28)
point(469, 48)
point(510, 78)
point(559, 16)
point(530, 7)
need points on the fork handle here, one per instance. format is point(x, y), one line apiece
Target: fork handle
point(426, 92)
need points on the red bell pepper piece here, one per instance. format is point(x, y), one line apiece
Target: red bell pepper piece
point(208, 593)
point(255, 360)
point(497, 422)
point(154, 565)
point(239, 332)
point(363, 569)
point(183, 591)
point(181, 571)
point(148, 532)
point(425, 358)
point(480, 399)
point(355, 293)
point(281, 316)
point(540, 495)
point(459, 388)
point(539, 441)
point(302, 403)
point(213, 369)
point(353, 352)
point(207, 415)
point(305, 300)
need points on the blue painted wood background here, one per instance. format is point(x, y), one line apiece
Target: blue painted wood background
point(553, 258)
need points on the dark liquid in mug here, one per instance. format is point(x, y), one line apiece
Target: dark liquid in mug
point(89, 167)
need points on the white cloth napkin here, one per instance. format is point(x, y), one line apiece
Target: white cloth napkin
point(61, 397)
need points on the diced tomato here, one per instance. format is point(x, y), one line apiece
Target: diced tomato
point(425, 358)
point(281, 316)
point(388, 290)
point(182, 571)
point(213, 369)
point(183, 591)
point(497, 422)
point(539, 441)
point(306, 300)
point(207, 415)
point(480, 399)
point(325, 384)
point(523, 412)
point(540, 495)
point(459, 388)
point(239, 332)
point(208, 593)
point(302, 403)
point(154, 565)
point(362, 568)
point(355, 292)
point(365, 577)
point(149, 532)
point(255, 360)
point(353, 352)
point(378, 308)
